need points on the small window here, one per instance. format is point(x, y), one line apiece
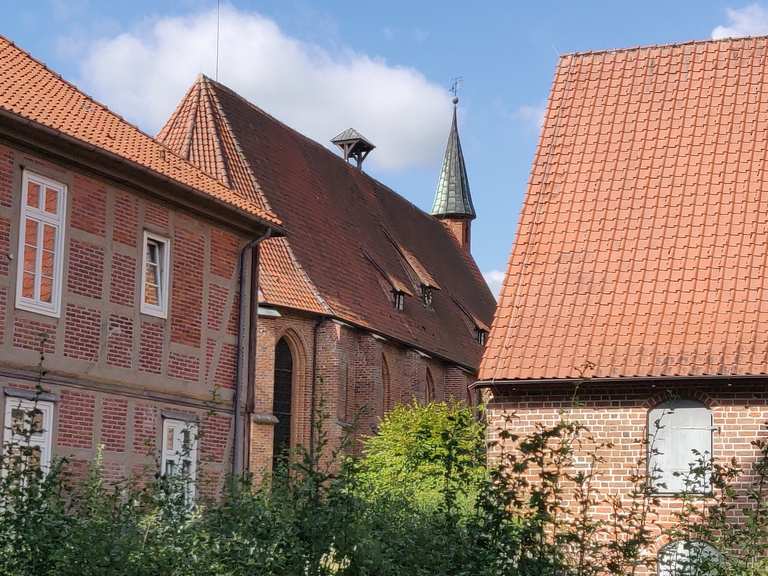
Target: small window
point(28, 433)
point(154, 278)
point(426, 295)
point(179, 455)
point(481, 336)
point(679, 435)
point(398, 300)
point(688, 559)
point(41, 245)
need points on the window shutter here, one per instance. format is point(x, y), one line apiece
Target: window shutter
point(684, 426)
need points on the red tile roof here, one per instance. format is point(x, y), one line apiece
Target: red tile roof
point(31, 91)
point(643, 242)
point(344, 228)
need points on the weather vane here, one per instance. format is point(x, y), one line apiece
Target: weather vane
point(454, 90)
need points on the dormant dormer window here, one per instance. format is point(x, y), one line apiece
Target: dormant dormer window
point(41, 244)
point(398, 300)
point(426, 295)
point(481, 336)
point(154, 275)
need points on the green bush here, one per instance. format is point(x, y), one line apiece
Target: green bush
point(431, 455)
point(420, 502)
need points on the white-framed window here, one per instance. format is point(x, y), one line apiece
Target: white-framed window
point(179, 452)
point(679, 436)
point(41, 244)
point(28, 431)
point(683, 558)
point(154, 275)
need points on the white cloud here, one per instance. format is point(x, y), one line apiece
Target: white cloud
point(494, 279)
point(144, 73)
point(532, 114)
point(751, 20)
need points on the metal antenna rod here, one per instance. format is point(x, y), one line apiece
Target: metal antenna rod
point(218, 26)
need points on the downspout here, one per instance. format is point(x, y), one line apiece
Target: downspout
point(312, 410)
point(241, 375)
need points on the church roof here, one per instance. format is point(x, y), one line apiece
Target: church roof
point(642, 248)
point(452, 196)
point(341, 256)
point(29, 90)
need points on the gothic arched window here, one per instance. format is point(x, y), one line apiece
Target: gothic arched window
point(386, 391)
point(282, 400)
point(429, 395)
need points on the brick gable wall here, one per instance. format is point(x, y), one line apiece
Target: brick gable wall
point(619, 414)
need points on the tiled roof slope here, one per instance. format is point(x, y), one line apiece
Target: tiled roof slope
point(344, 228)
point(643, 242)
point(30, 90)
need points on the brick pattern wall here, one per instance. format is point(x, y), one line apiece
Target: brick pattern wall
point(348, 380)
point(102, 342)
point(619, 414)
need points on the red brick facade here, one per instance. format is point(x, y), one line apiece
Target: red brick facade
point(618, 414)
point(112, 370)
point(350, 381)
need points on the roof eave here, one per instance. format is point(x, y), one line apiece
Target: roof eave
point(203, 200)
point(613, 380)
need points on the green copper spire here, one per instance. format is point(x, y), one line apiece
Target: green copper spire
point(452, 198)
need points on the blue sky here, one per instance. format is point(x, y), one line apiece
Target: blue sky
point(382, 67)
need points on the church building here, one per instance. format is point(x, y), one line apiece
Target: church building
point(367, 301)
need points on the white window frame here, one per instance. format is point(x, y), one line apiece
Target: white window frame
point(42, 440)
point(58, 221)
point(161, 310)
point(176, 455)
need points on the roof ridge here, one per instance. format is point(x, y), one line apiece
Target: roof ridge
point(222, 115)
point(641, 47)
point(327, 151)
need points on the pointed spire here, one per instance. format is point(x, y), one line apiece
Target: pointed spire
point(452, 197)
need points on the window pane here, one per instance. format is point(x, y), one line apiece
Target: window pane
point(18, 418)
point(152, 252)
point(151, 294)
point(33, 195)
point(47, 264)
point(169, 434)
point(51, 200)
point(49, 238)
point(28, 286)
point(30, 232)
point(46, 289)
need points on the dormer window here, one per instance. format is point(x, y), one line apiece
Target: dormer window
point(426, 295)
point(398, 300)
point(481, 336)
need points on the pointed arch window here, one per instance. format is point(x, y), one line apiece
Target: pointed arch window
point(429, 395)
point(282, 400)
point(386, 391)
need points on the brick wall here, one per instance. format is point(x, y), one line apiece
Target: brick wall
point(619, 414)
point(349, 384)
point(102, 343)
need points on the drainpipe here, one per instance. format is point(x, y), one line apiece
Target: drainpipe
point(312, 409)
point(241, 374)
